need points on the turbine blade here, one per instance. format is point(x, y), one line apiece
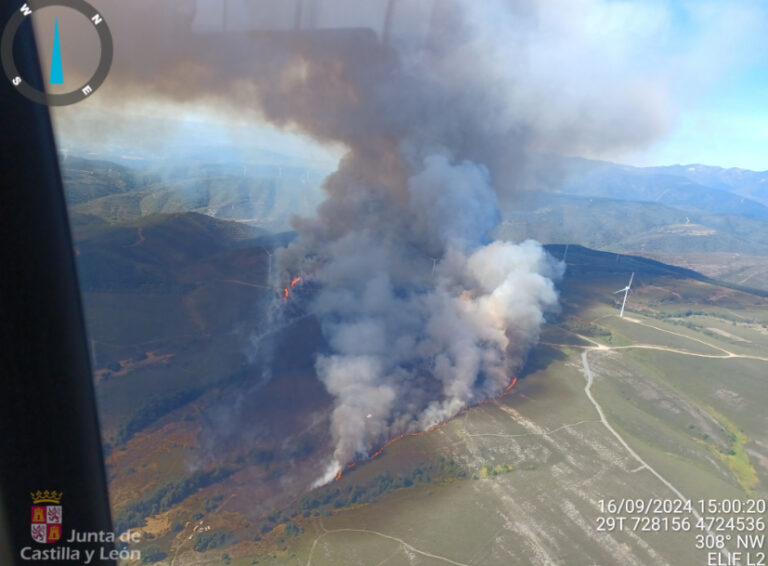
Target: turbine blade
point(631, 278)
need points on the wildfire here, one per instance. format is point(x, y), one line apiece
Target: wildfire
point(287, 290)
point(511, 384)
point(390, 442)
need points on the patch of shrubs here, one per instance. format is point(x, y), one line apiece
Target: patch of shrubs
point(153, 410)
point(167, 495)
point(324, 500)
point(153, 554)
point(213, 539)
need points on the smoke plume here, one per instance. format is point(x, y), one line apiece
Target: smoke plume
point(422, 314)
point(437, 103)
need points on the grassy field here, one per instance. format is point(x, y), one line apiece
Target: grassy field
point(539, 460)
point(213, 462)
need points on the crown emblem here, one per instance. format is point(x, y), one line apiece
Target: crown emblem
point(46, 496)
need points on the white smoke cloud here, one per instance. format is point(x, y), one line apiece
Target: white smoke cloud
point(422, 314)
point(424, 317)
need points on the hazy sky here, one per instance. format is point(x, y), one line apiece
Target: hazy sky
point(721, 95)
point(696, 71)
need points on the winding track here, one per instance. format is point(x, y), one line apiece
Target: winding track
point(402, 543)
point(596, 347)
point(635, 455)
point(590, 379)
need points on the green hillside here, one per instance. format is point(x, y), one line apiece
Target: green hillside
point(208, 457)
point(262, 195)
point(88, 179)
point(152, 250)
point(624, 226)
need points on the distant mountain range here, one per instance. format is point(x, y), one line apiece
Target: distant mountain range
point(698, 187)
point(661, 212)
point(749, 184)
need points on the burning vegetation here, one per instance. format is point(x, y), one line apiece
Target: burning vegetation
point(421, 313)
point(380, 451)
point(287, 290)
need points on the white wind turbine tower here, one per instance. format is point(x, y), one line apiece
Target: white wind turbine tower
point(269, 268)
point(625, 290)
point(434, 264)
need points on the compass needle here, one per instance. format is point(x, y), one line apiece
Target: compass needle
point(56, 76)
point(57, 72)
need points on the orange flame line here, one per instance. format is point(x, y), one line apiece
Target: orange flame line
point(430, 429)
point(511, 385)
point(287, 290)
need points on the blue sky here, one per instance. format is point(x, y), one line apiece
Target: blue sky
point(720, 98)
point(726, 126)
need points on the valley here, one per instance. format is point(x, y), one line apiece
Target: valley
point(212, 448)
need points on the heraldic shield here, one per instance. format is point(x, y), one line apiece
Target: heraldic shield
point(46, 519)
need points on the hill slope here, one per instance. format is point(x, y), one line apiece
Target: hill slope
point(211, 454)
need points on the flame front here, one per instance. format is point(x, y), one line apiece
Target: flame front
point(287, 290)
point(390, 442)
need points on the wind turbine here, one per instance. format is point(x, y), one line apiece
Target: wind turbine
point(269, 268)
point(625, 290)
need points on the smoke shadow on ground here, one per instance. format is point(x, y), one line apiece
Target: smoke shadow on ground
point(539, 359)
point(260, 411)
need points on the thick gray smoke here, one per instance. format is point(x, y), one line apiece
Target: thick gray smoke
point(424, 316)
point(548, 75)
point(437, 103)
